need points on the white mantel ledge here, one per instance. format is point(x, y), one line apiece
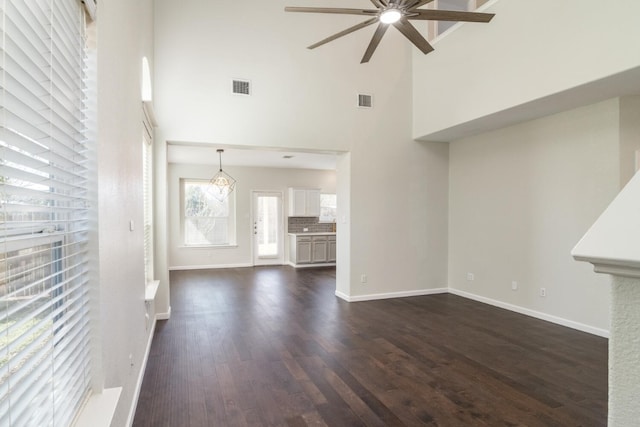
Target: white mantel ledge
point(612, 244)
point(621, 268)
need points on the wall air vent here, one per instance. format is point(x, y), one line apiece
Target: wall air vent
point(241, 87)
point(365, 101)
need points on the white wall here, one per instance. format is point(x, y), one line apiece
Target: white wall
point(248, 179)
point(343, 244)
point(529, 52)
point(301, 98)
point(629, 136)
point(521, 198)
point(399, 218)
point(306, 99)
point(124, 36)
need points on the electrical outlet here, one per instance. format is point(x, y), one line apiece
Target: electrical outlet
point(514, 286)
point(471, 277)
point(543, 292)
point(363, 278)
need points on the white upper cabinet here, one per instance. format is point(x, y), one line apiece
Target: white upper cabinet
point(313, 202)
point(304, 202)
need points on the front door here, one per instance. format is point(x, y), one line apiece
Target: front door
point(268, 230)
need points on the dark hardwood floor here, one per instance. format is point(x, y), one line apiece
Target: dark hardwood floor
point(273, 346)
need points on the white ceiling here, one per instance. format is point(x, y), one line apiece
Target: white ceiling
point(249, 156)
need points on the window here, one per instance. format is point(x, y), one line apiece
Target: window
point(457, 5)
point(44, 290)
point(328, 203)
point(147, 191)
point(207, 221)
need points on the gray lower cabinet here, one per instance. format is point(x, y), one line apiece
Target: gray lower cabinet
point(300, 250)
point(331, 248)
point(319, 249)
point(315, 249)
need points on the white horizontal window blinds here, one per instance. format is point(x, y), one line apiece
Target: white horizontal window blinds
point(44, 319)
point(147, 173)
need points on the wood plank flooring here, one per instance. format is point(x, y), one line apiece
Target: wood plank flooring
point(273, 346)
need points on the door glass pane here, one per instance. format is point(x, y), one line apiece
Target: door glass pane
point(267, 227)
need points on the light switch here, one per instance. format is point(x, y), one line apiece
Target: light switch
point(131, 227)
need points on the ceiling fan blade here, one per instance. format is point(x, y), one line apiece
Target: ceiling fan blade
point(339, 10)
point(418, 3)
point(410, 32)
point(375, 41)
point(379, 3)
point(451, 15)
point(344, 32)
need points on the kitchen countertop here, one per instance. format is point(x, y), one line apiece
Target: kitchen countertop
point(321, 233)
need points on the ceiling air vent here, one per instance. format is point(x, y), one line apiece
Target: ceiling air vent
point(241, 87)
point(365, 101)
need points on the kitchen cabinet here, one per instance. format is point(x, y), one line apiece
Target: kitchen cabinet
point(304, 202)
point(306, 250)
point(301, 249)
point(319, 249)
point(331, 248)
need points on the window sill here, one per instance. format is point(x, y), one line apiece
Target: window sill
point(208, 246)
point(150, 290)
point(99, 409)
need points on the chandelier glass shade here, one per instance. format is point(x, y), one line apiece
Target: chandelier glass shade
point(222, 184)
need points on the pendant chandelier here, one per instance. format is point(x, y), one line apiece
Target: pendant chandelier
point(222, 184)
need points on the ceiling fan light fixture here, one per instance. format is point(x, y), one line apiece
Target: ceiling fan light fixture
point(390, 16)
point(399, 13)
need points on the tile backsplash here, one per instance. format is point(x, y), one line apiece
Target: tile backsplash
point(297, 224)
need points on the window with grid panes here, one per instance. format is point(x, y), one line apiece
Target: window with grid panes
point(207, 221)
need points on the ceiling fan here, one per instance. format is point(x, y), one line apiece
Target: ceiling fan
point(396, 13)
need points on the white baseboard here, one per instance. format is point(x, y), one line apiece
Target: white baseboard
point(402, 294)
point(208, 267)
point(143, 368)
point(294, 265)
point(532, 313)
point(217, 266)
point(324, 264)
point(164, 316)
point(511, 307)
